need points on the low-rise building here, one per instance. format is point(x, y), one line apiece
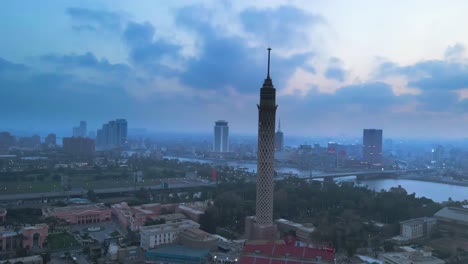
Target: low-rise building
point(303, 231)
point(80, 214)
point(192, 210)
point(417, 227)
point(134, 217)
point(29, 237)
point(453, 220)
point(170, 218)
point(155, 235)
point(196, 238)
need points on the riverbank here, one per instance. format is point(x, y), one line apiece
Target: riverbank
point(433, 179)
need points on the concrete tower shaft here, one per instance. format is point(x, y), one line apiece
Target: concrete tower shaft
point(266, 151)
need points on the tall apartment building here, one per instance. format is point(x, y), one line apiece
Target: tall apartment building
point(221, 136)
point(80, 131)
point(112, 135)
point(372, 146)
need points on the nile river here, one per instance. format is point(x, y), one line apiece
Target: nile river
point(439, 192)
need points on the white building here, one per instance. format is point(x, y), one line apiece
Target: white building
point(418, 227)
point(153, 236)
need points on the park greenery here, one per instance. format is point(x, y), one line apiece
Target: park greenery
point(346, 216)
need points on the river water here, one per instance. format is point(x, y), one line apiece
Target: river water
point(438, 192)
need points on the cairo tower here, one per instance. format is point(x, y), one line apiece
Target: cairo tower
point(261, 226)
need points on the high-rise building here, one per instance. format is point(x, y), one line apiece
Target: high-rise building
point(80, 131)
point(50, 140)
point(372, 146)
point(78, 146)
point(112, 135)
point(279, 138)
point(221, 136)
point(261, 226)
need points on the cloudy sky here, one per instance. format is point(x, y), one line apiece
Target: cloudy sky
point(338, 66)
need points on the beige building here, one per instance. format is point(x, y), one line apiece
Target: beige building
point(155, 235)
point(416, 228)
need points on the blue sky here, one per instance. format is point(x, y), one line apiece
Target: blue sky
point(338, 66)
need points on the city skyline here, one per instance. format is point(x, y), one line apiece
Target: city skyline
point(149, 63)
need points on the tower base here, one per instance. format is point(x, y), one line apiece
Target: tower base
point(255, 231)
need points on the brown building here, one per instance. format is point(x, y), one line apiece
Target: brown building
point(78, 146)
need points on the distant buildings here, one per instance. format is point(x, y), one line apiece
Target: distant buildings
point(80, 214)
point(80, 131)
point(78, 146)
point(221, 136)
point(50, 140)
point(6, 141)
point(438, 155)
point(372, 146)
point(112, 134)
point(29, 142)
point(279, 138)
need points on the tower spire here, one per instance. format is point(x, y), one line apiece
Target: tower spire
point(268, 72)
point(279, 124)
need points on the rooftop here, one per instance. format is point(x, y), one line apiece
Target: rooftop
point(453, 213)
point(199, 235)
point(412, 258)
point(170, 217)
point(158, 228)
point(178, 250)
point(84, 207)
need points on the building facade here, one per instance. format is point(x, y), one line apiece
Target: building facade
point(80, 214)
point(156, 235)
point(372, 146)
point(221, 136)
